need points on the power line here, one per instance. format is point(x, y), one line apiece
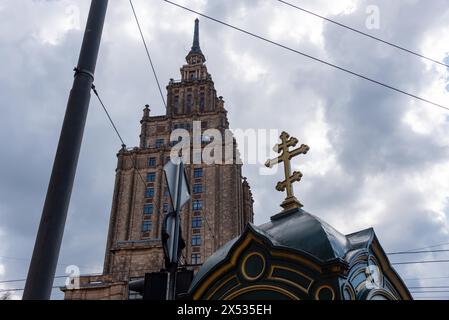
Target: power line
point(134, 160)
point(148, 54)
point(426, 278)
point(22, 280)
point(432, 298)
point(94, 89)
point(420, 262)
point(16, 290)
point(82, 275)
point(425, 291)
point(28, 260)
point(421, 250)
point(415, 252)
point(311, 57)
point(434, 287)
point(94, 275)
point(431, 291)
point(117, 132)
point(431, 246)
point(56, 277)
point(209, 227)
point(363, 33)
point(68, 276)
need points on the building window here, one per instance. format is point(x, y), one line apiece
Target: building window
point(147, 226)
point(197, 222)
point(189, 103)
point(196, 240)
point(202, 101)
point(148, 209)
point(152, 162)
point(186, 126)
point(196, 258)
point(197, 188)
point(160, 143)
point(151, 177)
point(166, 193)
point(198, 173)
point(197, 205)
point(176, 104)
point(165, 207)
point(174, 143)
point(149, 193)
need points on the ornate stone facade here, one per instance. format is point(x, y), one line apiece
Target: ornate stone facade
point(220, 207)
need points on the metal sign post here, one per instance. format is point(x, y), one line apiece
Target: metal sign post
point(179, 194)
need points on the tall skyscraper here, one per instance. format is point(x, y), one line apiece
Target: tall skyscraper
point(221, 201)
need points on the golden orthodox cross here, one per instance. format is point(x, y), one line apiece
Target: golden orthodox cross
point(290, 201)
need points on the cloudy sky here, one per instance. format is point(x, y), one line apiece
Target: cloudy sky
point(378, 159)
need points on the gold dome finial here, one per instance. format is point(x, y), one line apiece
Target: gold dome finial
point(290, 201)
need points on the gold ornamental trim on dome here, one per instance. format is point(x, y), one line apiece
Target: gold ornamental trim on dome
point(290, 202)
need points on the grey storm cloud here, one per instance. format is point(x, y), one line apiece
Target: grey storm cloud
point(377, 158)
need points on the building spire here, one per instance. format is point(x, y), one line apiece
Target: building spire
point(196, 38)
point(196, 55)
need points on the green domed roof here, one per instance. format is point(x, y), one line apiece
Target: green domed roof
point(300, 231)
